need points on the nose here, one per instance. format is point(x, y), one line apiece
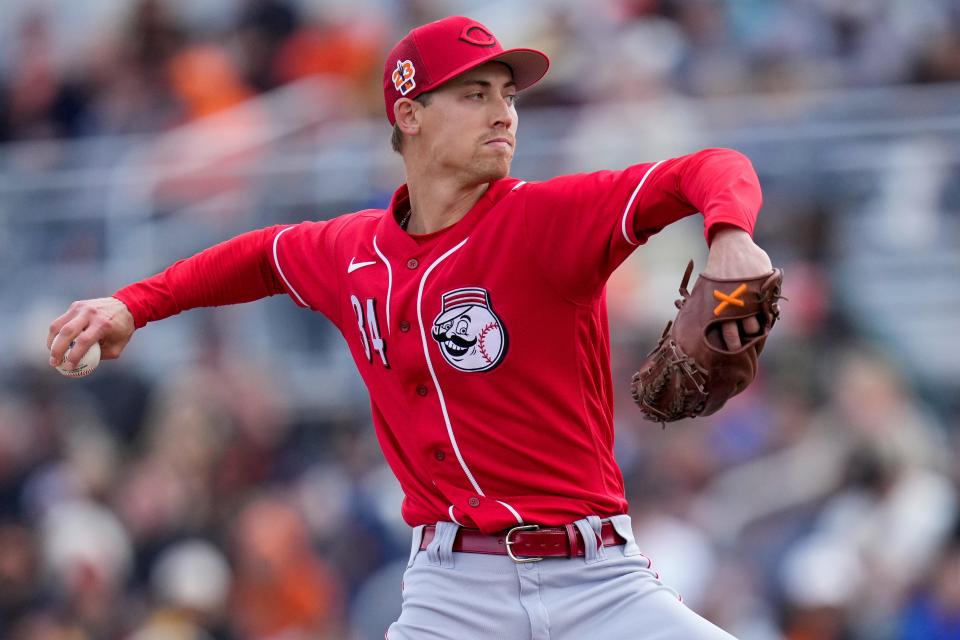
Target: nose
point(503, 115)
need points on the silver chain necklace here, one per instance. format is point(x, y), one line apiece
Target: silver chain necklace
point(406, 219)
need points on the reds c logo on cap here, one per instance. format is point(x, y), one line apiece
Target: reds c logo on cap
point(477, 34)
point(403, 77)
point(470, 335)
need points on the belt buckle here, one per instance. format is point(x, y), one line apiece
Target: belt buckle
point(509, 543)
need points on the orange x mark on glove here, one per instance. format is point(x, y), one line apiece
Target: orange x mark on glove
point(727, 300)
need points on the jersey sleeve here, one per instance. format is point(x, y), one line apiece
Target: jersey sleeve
point(302, 256)
point(253, 265)
point(582, 226)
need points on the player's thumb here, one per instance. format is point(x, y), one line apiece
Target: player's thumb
point(111, 349)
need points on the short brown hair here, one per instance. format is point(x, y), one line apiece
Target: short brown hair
point(396, 138)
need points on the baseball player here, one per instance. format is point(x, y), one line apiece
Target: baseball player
point(474, 308)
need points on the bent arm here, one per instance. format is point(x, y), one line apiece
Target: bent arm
point(719, 183)
point(581, 227)
point(723, 186)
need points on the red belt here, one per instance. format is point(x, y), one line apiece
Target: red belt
point(526, 543)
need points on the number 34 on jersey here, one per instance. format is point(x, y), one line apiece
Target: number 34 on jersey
point(367, 322)
point(468, 333)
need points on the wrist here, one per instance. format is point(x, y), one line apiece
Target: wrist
point(122, 310)
point(725, 233)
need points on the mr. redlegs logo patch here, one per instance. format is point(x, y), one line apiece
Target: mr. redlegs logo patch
point(403, 77)
point(470, 335)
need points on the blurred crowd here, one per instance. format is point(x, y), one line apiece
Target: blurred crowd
point(822, 504)
point(103, 67)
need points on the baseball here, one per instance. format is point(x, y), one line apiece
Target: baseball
point(87, 363)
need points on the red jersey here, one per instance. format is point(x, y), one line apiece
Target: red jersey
point(484, 346)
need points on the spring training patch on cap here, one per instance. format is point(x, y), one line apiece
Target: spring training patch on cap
point(403, 77)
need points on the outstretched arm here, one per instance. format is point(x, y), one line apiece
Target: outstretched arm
point(234, 271)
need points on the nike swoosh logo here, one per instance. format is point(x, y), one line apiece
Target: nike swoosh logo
point(358, 265)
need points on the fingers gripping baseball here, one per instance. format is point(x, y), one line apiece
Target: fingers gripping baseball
point(106, 321)
point(733, 330)
point(731, 335)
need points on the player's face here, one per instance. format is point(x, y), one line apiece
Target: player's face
point(457, 336)
point(470, 125)
point(461, 336)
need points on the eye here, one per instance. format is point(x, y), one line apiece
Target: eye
point(462, 327)
point(476, 95)
point(511, 99)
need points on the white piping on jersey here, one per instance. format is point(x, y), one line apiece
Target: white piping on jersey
point(633, 197)
point(276, 261)
point(452, 518)
point(433, 375)
point(436, 382)
point(512, 510)
point(389, 281)
point(518, 185)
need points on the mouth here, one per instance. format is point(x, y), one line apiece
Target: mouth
point(499, 143)
point(455, 350)
point(455, 346)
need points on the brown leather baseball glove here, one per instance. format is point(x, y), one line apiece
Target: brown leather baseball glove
point(691, 372)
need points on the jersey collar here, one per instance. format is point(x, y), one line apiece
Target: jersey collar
point(398, 243)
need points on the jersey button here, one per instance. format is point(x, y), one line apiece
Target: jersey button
point(421, 390)
point(404, 326)
point(474, 501)
point(412, 263)
point(439, 455)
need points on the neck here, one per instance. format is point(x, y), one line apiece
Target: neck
point(437, 203)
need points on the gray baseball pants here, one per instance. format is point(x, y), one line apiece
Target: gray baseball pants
point(610, 593)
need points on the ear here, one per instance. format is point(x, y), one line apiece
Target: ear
point(406, 113)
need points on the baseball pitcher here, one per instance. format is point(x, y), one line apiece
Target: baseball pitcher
point(474, 308)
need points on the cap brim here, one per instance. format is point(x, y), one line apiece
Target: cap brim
point(528, 67)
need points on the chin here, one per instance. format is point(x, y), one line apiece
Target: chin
point(500, 173)
point(490, 171)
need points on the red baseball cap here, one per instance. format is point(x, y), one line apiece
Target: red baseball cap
point(430, 55)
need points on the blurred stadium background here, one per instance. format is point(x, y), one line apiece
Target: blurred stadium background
point(222, 479)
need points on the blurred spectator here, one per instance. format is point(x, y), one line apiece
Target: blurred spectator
point(871, 413)
point(822, 579)
point(19, 574)
point(39, 103)
point(129, 75)
point(934, 611)
point(20, 450)
point(86, 556)
point(640, 48)
point(205, 80)
point(938, 59)
point(191, 584)
point(351, 51)
point(282, 587)
point(262, 29)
